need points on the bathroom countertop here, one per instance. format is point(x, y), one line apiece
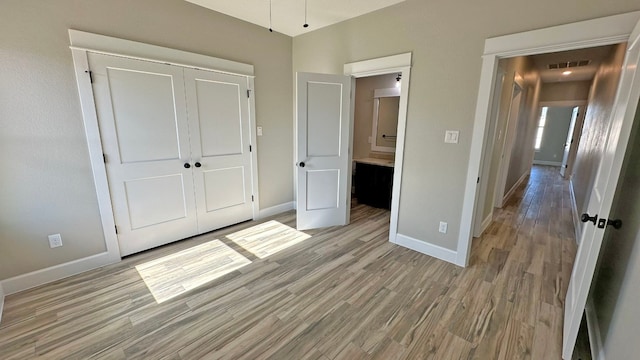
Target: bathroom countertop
point(374, 161)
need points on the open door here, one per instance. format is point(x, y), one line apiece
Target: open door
point(569, 141)
point(602, 194)
point(323, 143)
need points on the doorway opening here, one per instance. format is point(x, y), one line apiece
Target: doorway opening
point(375, 129)
point(537, 116)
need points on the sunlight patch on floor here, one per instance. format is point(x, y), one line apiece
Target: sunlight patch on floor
point(175, 274)
point(267, 238)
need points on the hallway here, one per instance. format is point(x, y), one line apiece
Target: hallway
point(343, 293)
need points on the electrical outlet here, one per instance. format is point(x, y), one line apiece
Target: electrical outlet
point(55, 241)
point(443, 227)
point(259, 130)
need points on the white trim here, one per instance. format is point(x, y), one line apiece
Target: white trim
point(1, 301)
point(402, 64)
point(254, 149)
point(577, 224)
point(424, 247)
point(53, 273)
point(548, 163)
point(593, 328)
point(604, 31)
point(85, 41)
point(514, 187)
point(275, 210)
point(390, 92)
point(379, 66)
point(94, 142)
point(377, 94)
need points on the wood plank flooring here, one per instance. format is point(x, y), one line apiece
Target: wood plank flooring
point(344, 293)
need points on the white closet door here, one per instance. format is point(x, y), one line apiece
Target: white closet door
point(142, 116)
point(218, 108)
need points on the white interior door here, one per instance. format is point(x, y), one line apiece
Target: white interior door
point(323, 141)
point(569, 141)
point(143, 123)
point(602, 194)
point(218, 108)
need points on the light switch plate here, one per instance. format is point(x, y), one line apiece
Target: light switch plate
point(451, 136)
point(259, 130)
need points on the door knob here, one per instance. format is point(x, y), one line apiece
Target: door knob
point(586, 218)
point(197, 164)
point(187, 165)
point(301, 164)
point(617, 223)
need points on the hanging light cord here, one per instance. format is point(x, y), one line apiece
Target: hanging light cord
point(270, 18)
point(305, 15)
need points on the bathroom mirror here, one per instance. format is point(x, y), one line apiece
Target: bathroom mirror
point(386, 103)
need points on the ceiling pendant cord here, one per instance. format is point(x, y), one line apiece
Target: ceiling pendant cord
point(270, 17)
point(306, 25)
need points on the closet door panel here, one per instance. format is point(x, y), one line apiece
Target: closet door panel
point(218, 109)
point(145, 137)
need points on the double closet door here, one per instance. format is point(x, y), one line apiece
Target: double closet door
point(176, 145)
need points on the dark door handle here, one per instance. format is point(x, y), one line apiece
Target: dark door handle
point(301, 164)
point(617, 223)
point(586, 218)
point(197, 164)
point(187, 165)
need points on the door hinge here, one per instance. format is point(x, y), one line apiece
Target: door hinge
point(248, 93)
point(250, 149)
point(104, 158)
point(251, 198)
point(478, 181)
point(116, 227)
point(90, 75)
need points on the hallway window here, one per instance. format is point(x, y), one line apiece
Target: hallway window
point(543, 121)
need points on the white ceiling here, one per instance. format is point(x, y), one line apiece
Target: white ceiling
point(595, 54)
point(288, 15)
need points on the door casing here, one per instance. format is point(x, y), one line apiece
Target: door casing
point(590, 33)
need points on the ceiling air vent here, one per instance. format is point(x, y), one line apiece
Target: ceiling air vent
point(569, 64)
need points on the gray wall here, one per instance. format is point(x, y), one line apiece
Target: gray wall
point(554, 135)
point(565, 91)
point(522, 150)
point(590, 148)
point(363, 117)
point(46, 184)
point(616, 286)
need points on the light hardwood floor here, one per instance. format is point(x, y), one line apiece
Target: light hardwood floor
point(344, 293)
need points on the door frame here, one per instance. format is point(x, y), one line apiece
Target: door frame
point(84, 42)
point(596, 32)
point(400, 63)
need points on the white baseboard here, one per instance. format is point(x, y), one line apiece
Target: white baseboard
point(574, 212)
point(57, 272)
point(428, 249)
point(514, 187)
point(545, 162)
point(595, 337)
point(1, 301)
point(275, 210)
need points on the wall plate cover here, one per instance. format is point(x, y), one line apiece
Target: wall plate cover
point(451, 136)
